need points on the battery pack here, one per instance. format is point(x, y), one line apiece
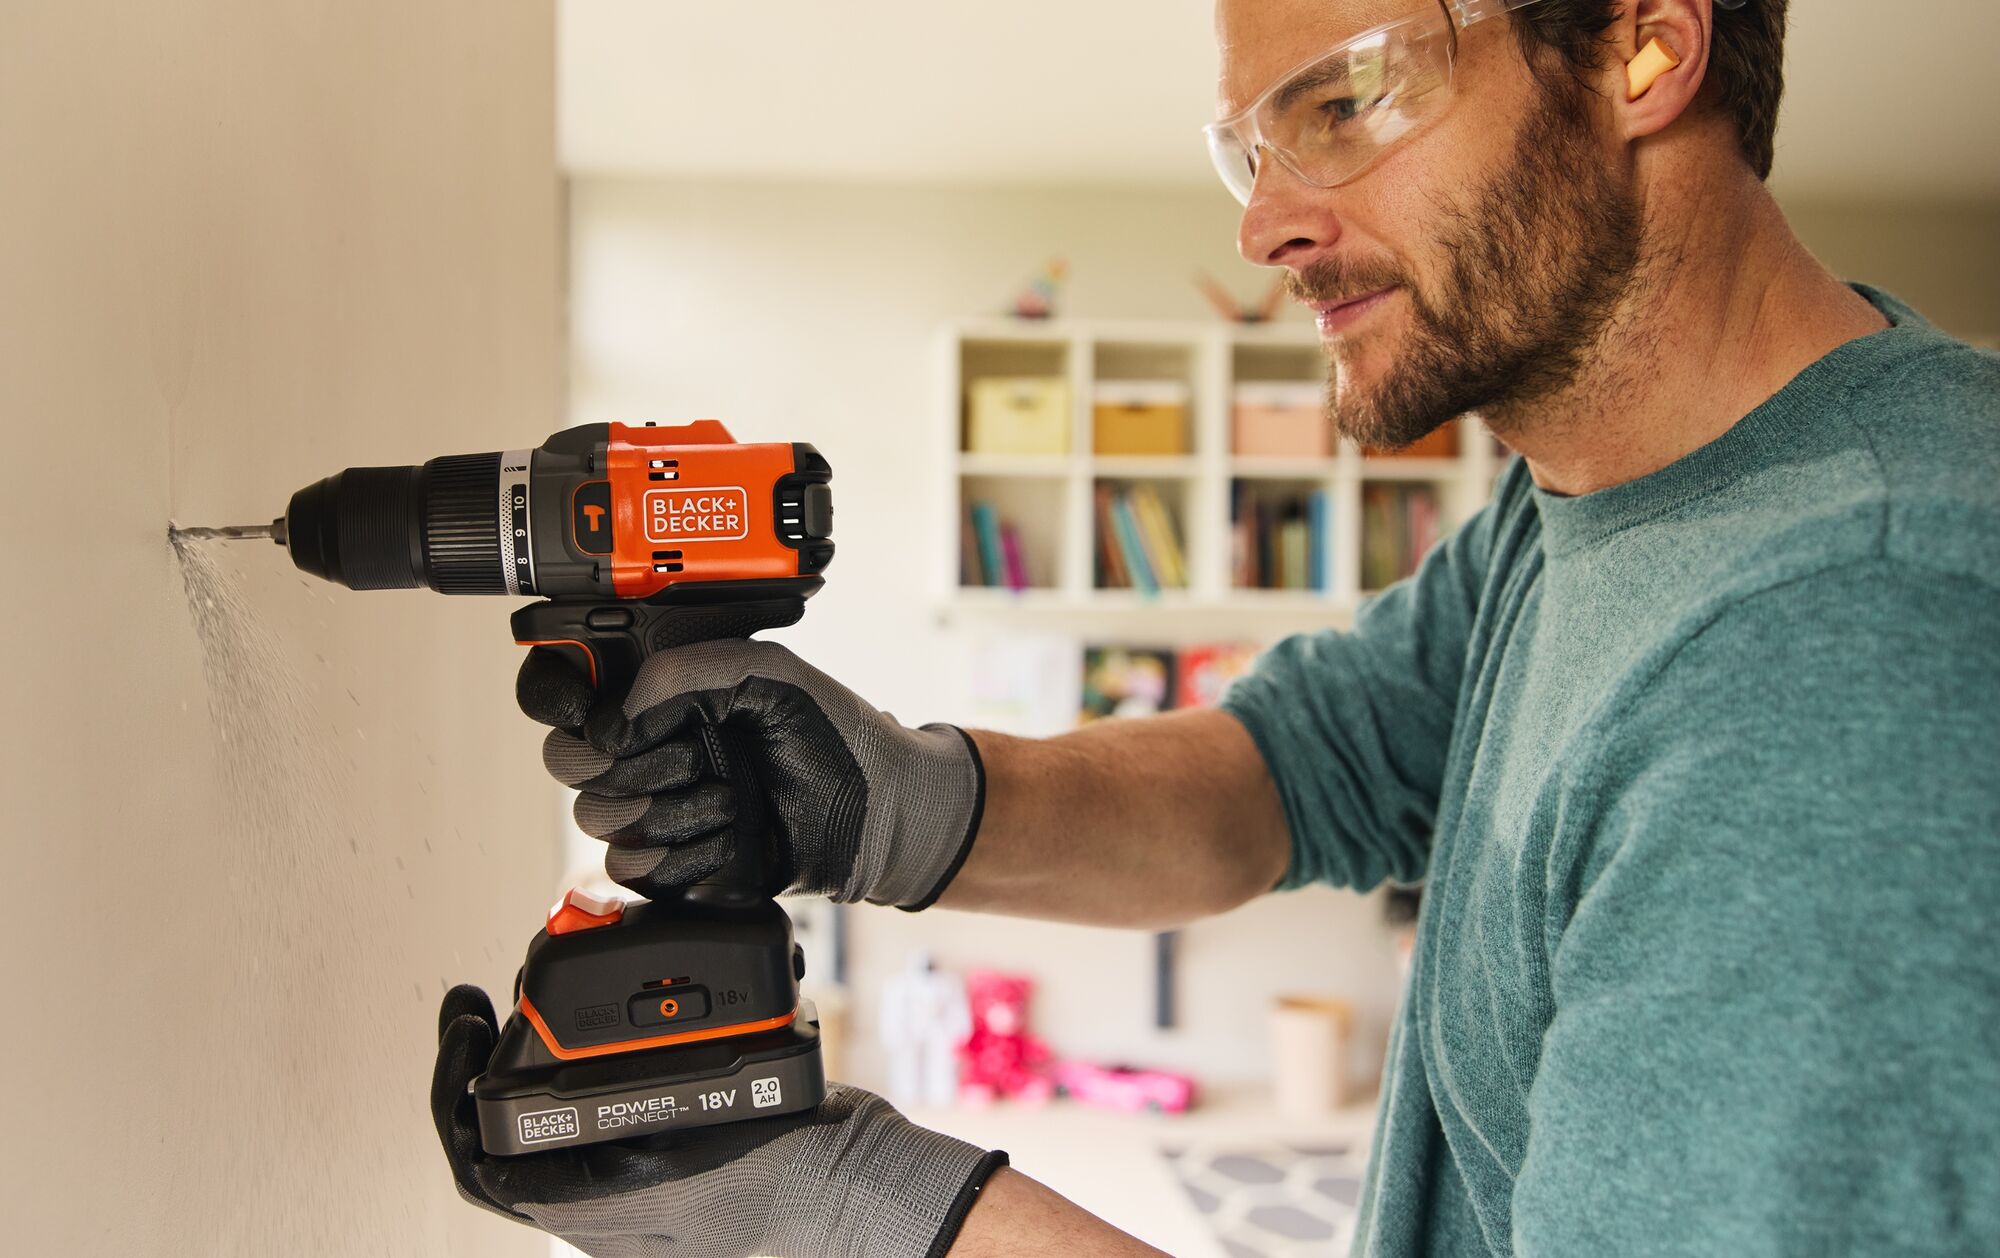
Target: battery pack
point(633, 1019)
point(645, 1093)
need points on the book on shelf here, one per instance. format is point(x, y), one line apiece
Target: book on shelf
point(1279, 541)
point(971, 567)
point(1010, 550)
point(1157, 530)
point(1111, 573)
point(1318, 570)
point(1399, 523)
point(1292, 554)
point(1138, 546)
point(990, 551)
point(1137, 562)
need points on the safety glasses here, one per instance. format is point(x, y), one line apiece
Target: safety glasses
point(1329, 119)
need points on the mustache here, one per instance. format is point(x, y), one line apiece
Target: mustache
point(1339, 279)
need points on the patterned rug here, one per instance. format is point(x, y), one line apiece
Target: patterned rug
point(1275, 1200)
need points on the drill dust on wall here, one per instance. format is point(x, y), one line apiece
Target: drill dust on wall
point(296, 830)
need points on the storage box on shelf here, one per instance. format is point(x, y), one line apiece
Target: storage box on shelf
point(1017, 415)
point(1014, 394)
point(1212, 440)
point(1280, 419)
point(1440, 443)
point(1140, 417)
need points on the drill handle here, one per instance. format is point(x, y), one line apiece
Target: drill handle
point(609, 639)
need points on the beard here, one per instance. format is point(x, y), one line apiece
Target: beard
point(1535, 265)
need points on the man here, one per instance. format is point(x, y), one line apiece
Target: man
point(1692, 734)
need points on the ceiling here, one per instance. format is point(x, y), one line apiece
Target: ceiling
point(1879, 105)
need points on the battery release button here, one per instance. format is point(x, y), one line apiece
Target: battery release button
point(580, 910)
point(664, 1005)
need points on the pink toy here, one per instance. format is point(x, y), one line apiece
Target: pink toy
point(1125, 1088)
point(1000, 1058)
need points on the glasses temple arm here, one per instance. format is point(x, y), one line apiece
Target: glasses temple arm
point(1466, 12)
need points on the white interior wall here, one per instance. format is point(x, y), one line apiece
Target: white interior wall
point(243, 245)
point(1943, 257)
point(807, 311)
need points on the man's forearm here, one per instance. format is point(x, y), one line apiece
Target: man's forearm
point(1019, 1218)
point(1150, 822)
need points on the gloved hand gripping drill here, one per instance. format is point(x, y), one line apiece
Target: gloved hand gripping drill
point(721, 771)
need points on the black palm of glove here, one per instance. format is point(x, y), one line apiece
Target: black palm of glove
point(851, 1177)
point(855, 805)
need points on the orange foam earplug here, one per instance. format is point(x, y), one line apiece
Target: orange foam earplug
point(1643, 70)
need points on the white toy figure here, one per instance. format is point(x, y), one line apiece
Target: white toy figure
point(924, 1020)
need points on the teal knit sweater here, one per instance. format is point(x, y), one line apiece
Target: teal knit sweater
point(1701, 774)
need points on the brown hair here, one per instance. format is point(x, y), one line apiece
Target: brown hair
point(1746, 62)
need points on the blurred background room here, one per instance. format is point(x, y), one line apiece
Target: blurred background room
point(977, 256)
point(830, 228)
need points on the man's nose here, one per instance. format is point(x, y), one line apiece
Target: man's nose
point(1287, 222)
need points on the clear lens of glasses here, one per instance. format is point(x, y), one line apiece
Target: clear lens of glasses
point(1328, 121)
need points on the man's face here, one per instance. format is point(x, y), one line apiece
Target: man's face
point(1471, 267)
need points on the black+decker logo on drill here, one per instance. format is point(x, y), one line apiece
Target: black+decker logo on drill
point(720, 514)
point(590, 517)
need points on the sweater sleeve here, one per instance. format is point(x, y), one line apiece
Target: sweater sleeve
point(1354, 725)
point(1777, 996)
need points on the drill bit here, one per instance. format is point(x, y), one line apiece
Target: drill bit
point(274, 532)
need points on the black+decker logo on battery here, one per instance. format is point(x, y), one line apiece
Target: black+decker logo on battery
point(720, 514)
point(546, 1125)
point(597, 1017)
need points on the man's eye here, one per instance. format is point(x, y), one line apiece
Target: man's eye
point(1341, 108)
point(1337, 110)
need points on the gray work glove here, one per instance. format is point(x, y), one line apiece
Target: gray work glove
point(857, 806)
point(850, 1179)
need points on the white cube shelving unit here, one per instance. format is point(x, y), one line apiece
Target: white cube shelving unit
point(1049, 498)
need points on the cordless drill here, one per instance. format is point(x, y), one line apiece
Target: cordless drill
point(629, 1018)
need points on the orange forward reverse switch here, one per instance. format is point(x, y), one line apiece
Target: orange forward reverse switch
point(580, 910)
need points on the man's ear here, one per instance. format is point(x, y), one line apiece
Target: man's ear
point(1663, 45)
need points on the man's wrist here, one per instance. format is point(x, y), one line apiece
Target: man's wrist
point(968, 1196)
point(1015, 1217)
point(973, 818)
point(876, 1185)
point(920, 822)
